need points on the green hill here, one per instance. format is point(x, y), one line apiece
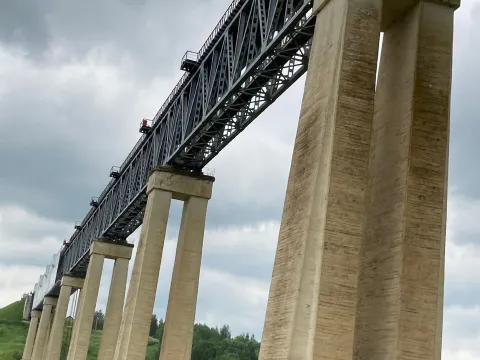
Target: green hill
point(13, 312)
point(13, 332)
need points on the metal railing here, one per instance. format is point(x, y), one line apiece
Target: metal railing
point(222, 22)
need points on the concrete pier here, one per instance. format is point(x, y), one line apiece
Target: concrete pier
point(99, 250)
point(44, 328)
point(32, 334)
point(114, 311)
point(403, 253)
point(165, 183)
point(313, 294)
point(68, 285)
point(182, 303)
point(359, 266)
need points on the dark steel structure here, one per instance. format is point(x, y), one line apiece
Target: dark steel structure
point(256, 52)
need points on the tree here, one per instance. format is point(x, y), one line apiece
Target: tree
point(225, 332)
point(98, 320)
point(153, 325)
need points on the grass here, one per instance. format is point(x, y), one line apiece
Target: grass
point(12, 340)
point(13, 333)
point(13, 312)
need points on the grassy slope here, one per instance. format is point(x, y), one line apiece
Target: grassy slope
point(13, 335)
point(12, 332)
point(14, 311)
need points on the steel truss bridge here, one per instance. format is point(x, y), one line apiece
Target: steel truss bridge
point(256, 52)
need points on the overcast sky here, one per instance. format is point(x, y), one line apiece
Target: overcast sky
point(76, 78)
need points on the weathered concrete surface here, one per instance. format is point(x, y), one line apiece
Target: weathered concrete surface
point(182, 302)
point(402, 269)
point(395, 10)
point(392, 10)
point(111, 250)
point(181, 184)
point(313, 295)
point(31, 335)
point(43, 328)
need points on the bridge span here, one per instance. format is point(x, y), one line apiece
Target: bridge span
point(255, 53)
point(359, 267)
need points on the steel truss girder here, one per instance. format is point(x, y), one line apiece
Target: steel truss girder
point(258, 50)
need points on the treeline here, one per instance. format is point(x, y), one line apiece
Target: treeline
point(208, 343)
point(212, 343)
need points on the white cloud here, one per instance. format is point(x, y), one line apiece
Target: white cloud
point(16, 280)
point(461, 334)
point(27, 238)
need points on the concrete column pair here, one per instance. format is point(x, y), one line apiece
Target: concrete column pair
point(164, 184)
point(359, 266)
point(43, 332)
point(31, 335)
point(101, 249)
point(68, 285)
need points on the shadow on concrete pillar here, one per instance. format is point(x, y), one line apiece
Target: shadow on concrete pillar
point(164, 184)
point(32, 333)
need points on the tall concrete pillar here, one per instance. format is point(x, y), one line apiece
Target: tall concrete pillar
point(403, 253)
point(43, 328)
point(32, 333)
point(164, 184)
point(47, 338)
point(313, 294)
point(75, 322)
point(114, 311)
point(81, 338)
point(99, 250)
point(182, 302)
point(68, 284)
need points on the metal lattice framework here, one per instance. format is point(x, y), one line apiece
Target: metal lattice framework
point(256, 52)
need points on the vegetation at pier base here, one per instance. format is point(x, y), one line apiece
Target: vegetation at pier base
point(213, 344)
point(208, 343)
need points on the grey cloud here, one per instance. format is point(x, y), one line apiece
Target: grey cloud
point(465, 125)
point(22, 25)
point(149, 32)
point(69, 139)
